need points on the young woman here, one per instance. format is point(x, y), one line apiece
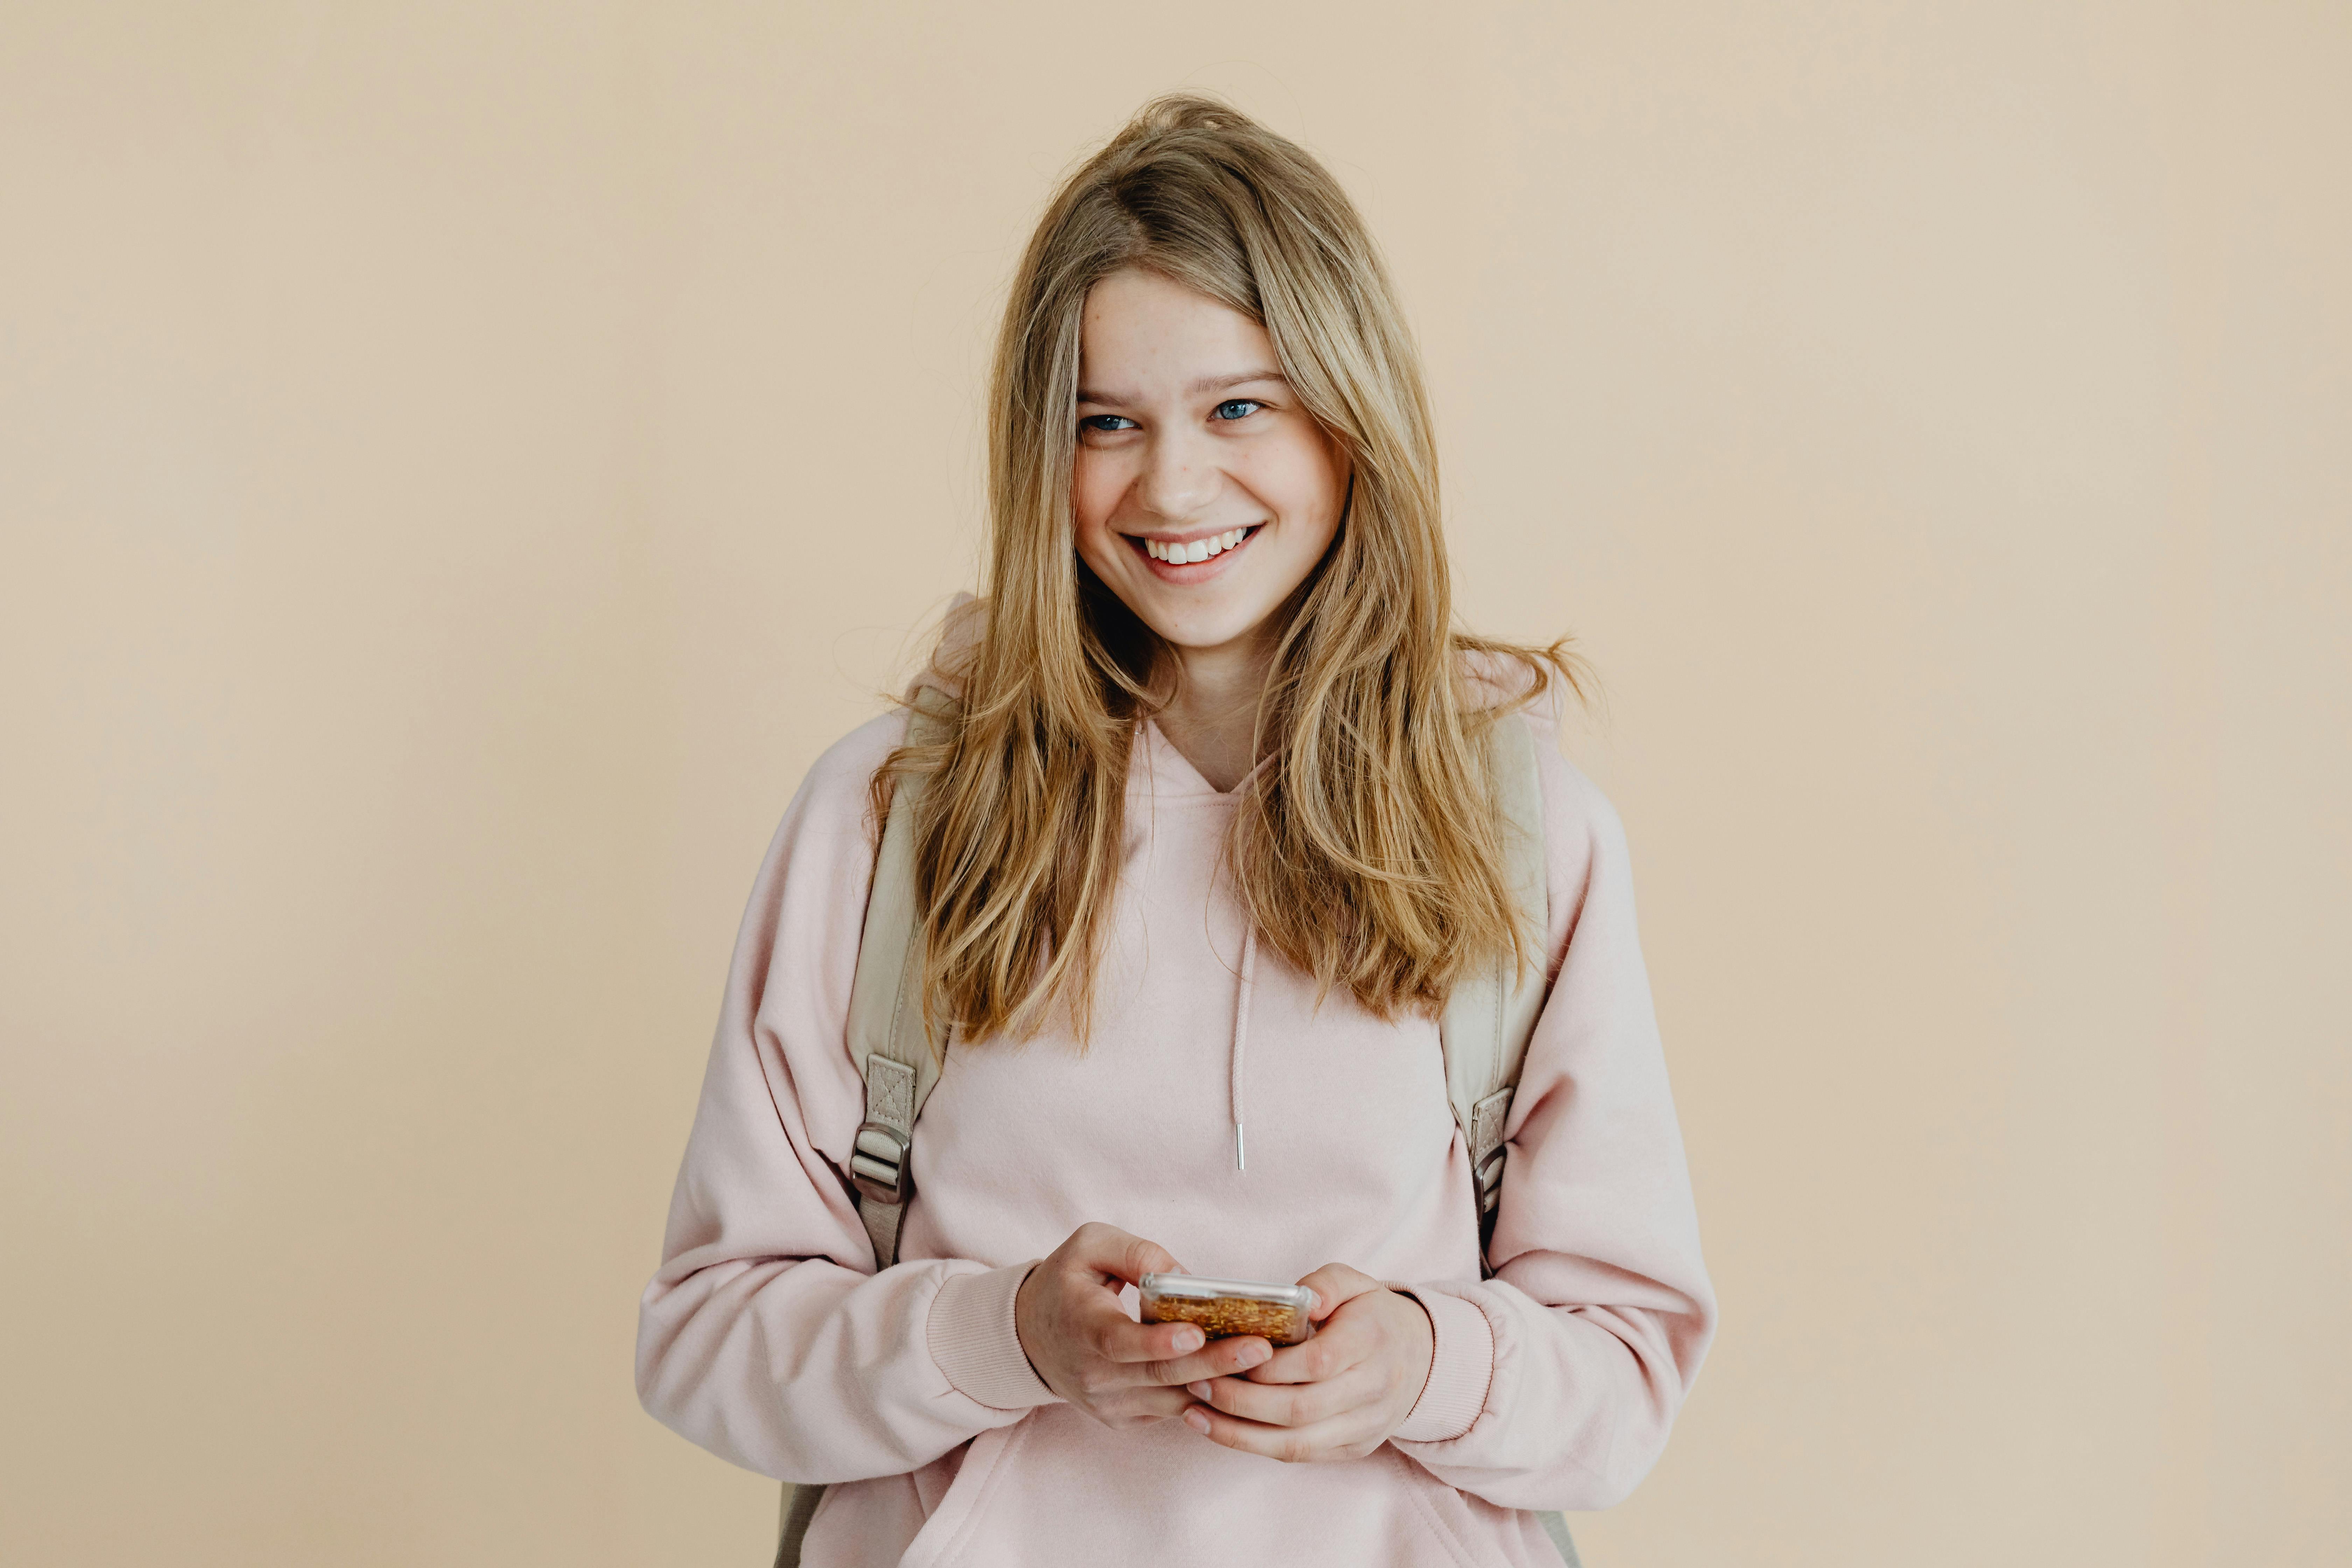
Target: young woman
point(1209, 840)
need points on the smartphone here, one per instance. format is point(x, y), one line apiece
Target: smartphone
point(1223, 1307)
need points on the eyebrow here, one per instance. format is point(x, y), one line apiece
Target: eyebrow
point(1208, 383)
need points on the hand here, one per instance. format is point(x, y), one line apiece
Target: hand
point(1338, 1395)
point(1088, 1350)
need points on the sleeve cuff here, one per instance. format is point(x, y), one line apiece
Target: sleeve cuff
point(972, 1339)
point(1460, 1369)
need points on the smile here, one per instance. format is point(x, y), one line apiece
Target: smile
point(1191, 552)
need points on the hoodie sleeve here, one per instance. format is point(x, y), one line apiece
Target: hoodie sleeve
point(1554, 1383)
point(767, 1336)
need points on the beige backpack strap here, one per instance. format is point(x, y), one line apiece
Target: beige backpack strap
point(1489, 1018)
point(896, 1055)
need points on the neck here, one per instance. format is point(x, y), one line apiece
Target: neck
point(1211, 719)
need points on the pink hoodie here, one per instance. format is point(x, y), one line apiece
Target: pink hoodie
point(768, 1337)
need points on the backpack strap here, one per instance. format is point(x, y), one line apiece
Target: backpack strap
point(1489, 1018)
point(897, 1053)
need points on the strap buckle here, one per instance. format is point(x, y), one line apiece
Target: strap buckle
point(1489, 1176)
point(878, 1164)
point(1487, 1147)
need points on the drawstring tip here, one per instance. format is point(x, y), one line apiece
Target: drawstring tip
point(1240, 1162)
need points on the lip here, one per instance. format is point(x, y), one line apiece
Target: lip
point(1192, 571)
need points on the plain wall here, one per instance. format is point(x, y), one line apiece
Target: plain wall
point(461, 462)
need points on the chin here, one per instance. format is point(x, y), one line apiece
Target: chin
point(1202, 633)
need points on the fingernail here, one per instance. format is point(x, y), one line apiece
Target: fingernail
point(1190, 1339)
point(1253, 1354)
point(1196, 1420)
point(1199, 1391)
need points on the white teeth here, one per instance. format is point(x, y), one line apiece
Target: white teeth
point(1182, 554)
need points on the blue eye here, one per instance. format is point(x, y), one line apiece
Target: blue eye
point(1108, 423)
point(1248, 406)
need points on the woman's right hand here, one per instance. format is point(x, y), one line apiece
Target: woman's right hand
point(1088, 1350)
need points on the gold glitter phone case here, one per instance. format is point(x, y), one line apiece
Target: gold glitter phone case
point(1224, 1307)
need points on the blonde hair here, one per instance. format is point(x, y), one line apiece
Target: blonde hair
point(1367, 851)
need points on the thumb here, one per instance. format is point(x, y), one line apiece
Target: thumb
point(1130, 1257)
point(1334, 1285)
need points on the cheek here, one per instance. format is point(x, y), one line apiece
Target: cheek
point(1094, 497)
point(1303, 485)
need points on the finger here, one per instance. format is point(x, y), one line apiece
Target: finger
point(1331, 1351)
point(1218, 1359)
point(1286, 1405)
point(1335, 1284)
point(1110, 1251)
point(1144, 1402)
point(1116, 1337)
point(1183, 1350)
point(1337, 1438)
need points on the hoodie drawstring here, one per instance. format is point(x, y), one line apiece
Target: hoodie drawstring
point(1241, 1042)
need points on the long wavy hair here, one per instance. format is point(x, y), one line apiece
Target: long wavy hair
point(1368, 850)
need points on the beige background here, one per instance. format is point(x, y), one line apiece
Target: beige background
point(459, 462)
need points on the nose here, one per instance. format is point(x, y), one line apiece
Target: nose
point(1180, 477)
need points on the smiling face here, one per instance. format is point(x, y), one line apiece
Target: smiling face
point(1204, 491)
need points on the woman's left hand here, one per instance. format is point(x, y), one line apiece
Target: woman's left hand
point(1338, 1395)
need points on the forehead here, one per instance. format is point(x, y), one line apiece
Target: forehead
point(1142, 328)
